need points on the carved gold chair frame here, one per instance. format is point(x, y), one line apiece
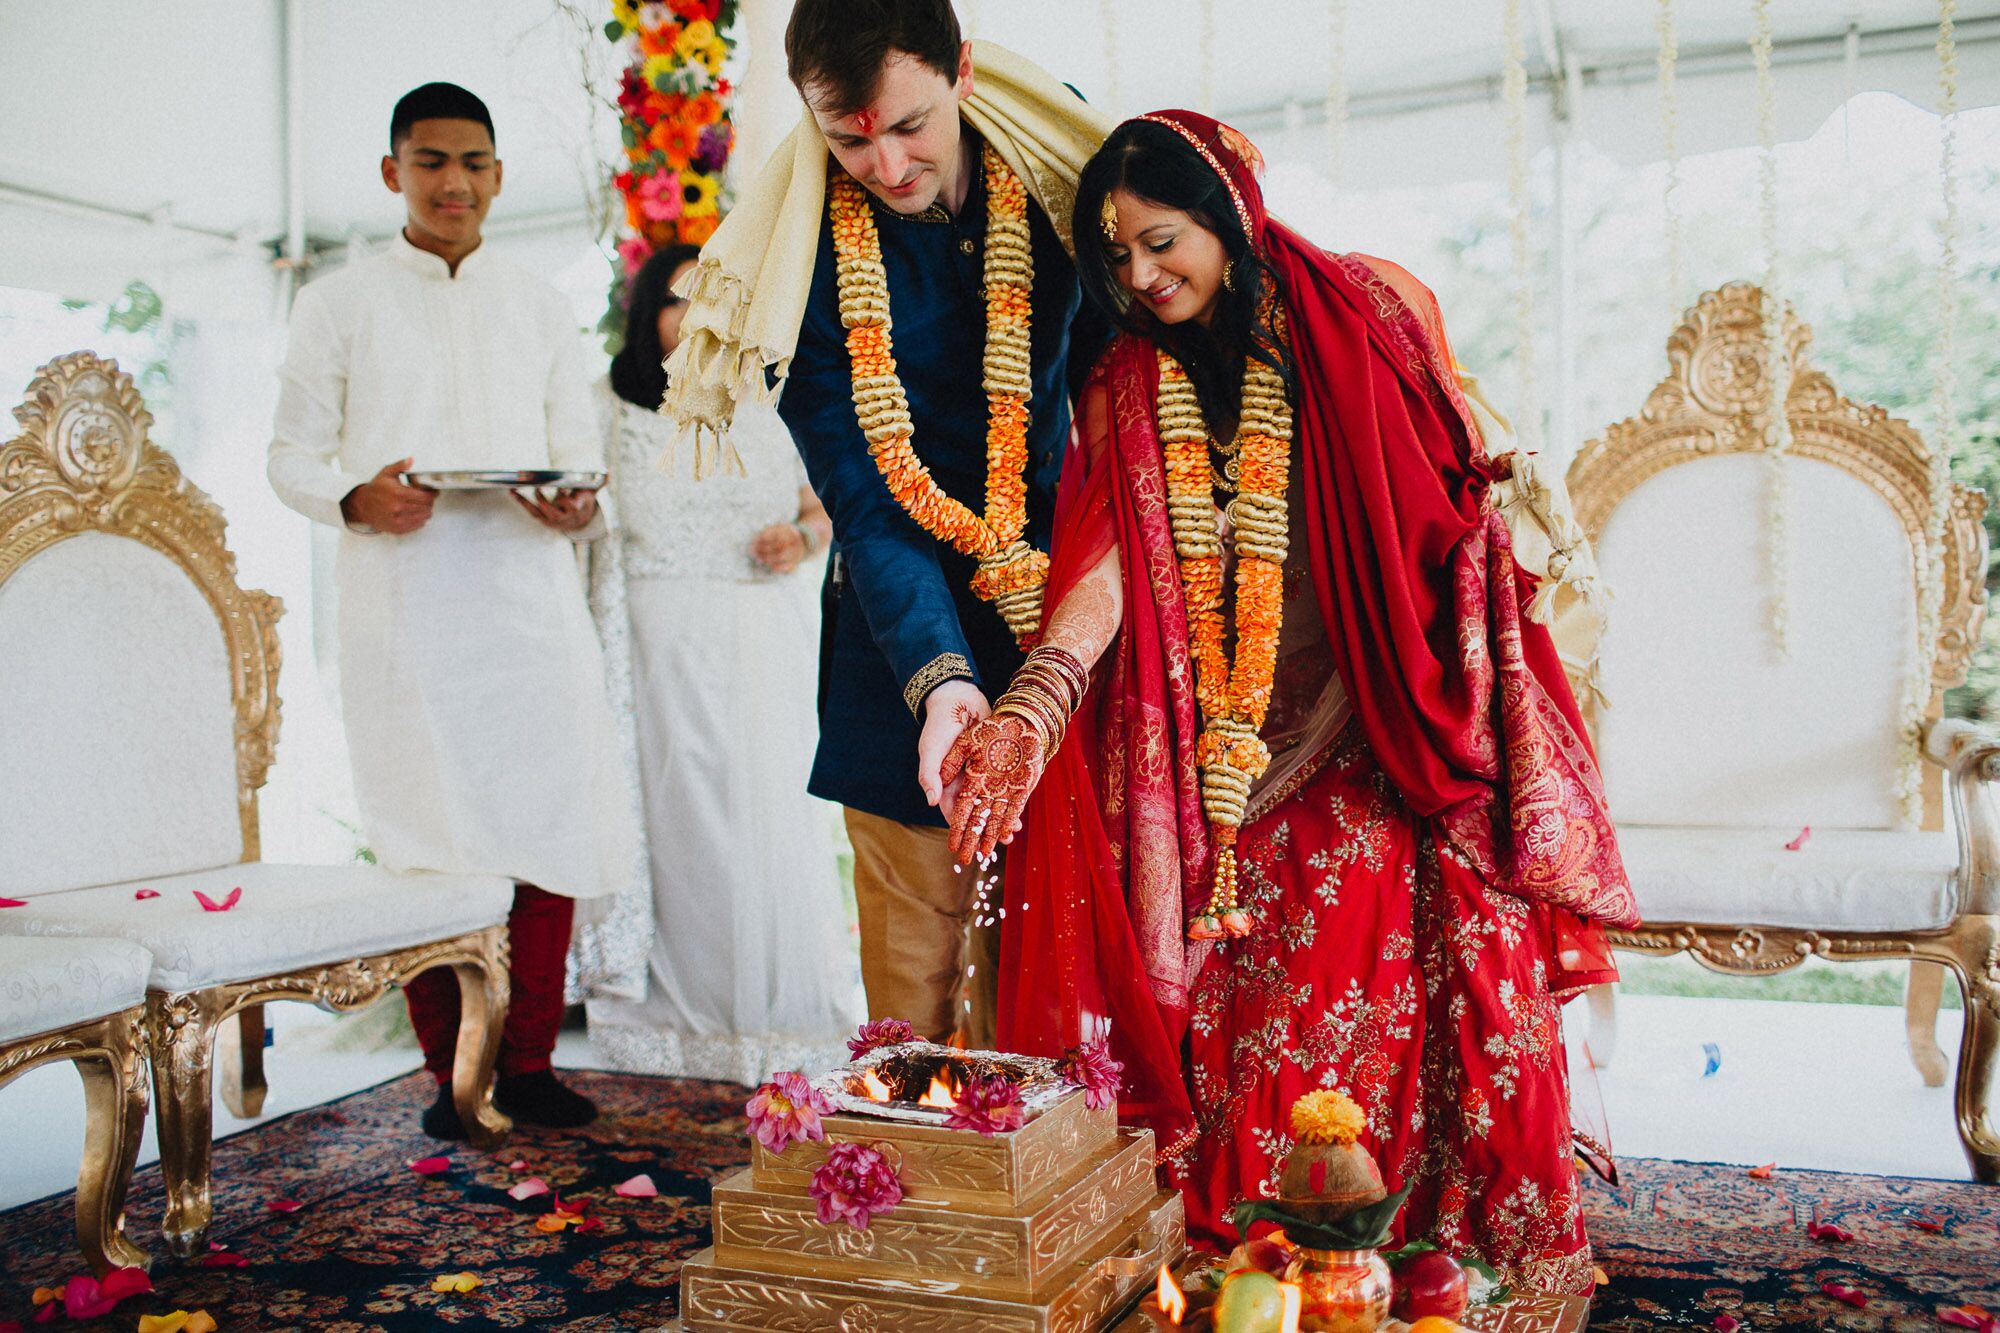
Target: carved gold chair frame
point(1714, 401)
point(84, 462)
point(108, 1053)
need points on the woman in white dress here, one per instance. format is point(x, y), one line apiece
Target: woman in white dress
point(751, 966)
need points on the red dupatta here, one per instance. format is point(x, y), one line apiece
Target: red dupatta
point(1461, 698)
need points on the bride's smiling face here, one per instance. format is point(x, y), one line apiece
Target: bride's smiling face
point(1171, 264)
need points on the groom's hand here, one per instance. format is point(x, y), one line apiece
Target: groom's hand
point(948, 710)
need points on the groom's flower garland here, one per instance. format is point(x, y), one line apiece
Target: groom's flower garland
point(1011, 573)
point(1233, 701)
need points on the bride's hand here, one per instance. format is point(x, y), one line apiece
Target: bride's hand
point(996, 763)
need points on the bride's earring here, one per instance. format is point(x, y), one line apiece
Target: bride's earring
point(1229, 275)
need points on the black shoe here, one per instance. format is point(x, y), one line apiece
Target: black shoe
point(441, 1118)
point(538, 1099)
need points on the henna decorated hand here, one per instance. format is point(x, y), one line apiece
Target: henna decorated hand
point(997, 764)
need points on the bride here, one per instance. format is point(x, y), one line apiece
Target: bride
point(750, 966)
point(1325, 816)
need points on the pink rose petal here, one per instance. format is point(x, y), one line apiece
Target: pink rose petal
point(430, 1166)
point(143, 894)
point(529, 1188)
point(284, 1205)
point(88, 1298)
point(224, 1259)
point(1970, 1316)
point(209, 904)
point(1819, 1230)
point(638, 1187)
point(1845, 1295)
point(517, 1166)
point(1798, 844)
point(1727, 1323)
point(12, 902)
point(588, 1224)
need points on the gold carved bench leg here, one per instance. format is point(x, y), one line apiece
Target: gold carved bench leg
point(483, 994)
point(1920, 1011)
point(1979, 1050)
point(242, 1057)
point(183, 1036)
point(114, 1091)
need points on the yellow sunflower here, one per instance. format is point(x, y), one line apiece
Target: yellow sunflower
point(699, 192)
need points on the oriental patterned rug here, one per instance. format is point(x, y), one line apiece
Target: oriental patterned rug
point(1683, 1244)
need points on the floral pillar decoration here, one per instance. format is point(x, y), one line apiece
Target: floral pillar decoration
point(674, 108)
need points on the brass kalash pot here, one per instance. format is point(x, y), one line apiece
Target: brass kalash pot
point(1335, 1211)
point(1056, 1226)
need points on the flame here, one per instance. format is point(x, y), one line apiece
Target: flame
point(873, 1088)
point(1295, 1298)
point(1173, 1304)
point(943, 1096)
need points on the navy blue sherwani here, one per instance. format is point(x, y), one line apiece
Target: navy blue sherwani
point(900, 618)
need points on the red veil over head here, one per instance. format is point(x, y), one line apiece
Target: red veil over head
point(1460, 697)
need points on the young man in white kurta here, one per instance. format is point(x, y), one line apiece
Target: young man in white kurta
point(471, 683)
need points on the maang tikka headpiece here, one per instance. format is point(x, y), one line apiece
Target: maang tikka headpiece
point(1107, 217)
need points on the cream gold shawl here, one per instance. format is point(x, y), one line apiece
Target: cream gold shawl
point(747, 297)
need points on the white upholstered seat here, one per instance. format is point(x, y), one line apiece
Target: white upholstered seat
point(289, 917)
point(1841, 879)
point(50, 984)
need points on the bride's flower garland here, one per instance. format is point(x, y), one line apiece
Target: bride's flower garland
point(1012, 574)
point(1233, 701)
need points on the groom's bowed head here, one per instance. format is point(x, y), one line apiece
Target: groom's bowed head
point(443, 162)
point(883, 79)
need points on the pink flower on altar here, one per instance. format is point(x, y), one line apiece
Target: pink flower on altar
point(1091, 1068)
point(856, 1183)
point(988, 1106)
point(634, 251)
point(786, 1111)
point(882, 1032)
point(660, 196)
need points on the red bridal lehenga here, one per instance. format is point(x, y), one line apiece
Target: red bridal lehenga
point(1427, 860)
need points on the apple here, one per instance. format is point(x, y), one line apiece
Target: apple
point(1252, 1302)
point(1430, 1283)
point(1265, 1256)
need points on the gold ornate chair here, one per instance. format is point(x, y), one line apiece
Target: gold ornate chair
point(1718, 748)
point(140, 689)
point(85, 1001)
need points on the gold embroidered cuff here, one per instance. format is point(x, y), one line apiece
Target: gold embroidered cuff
point(943, 667)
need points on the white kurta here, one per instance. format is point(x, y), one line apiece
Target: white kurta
point(471, 682)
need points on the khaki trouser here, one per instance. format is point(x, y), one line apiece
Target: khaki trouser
point(917, 933)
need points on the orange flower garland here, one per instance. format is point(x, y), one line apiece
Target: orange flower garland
point(1011, 573)
point(1234, 700)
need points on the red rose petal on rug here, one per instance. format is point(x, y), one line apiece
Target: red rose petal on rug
point(1970, 1316)
point(224, 1259)
point(638, 1187)
point(430, 1166)
point(589, 1224)
point(143, 894)
point(1845, 1295)
point(87, 1298)
point(284, 1205)
point(12, 902)
point(517, 1166)
point(1728, 1323)
point(1763, 1172)
point(1798, 844)
point(1819, 1230)
point(529, 1188)
point(209, 904)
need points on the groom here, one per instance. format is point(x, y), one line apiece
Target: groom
point(910, 655)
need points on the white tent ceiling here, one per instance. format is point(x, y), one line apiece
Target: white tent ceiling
point(178, 113)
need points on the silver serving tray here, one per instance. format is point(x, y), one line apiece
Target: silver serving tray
point(505, 481)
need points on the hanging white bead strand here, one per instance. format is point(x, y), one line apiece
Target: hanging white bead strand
point(1943, 433)
point(1778, 427)
point(1515, 88)
point(1670, 116)
point(1336, 89)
